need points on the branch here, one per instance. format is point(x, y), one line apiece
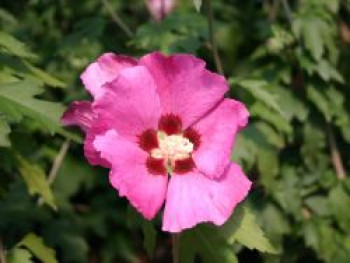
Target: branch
point(216, 56)
point(287, 11)
point(336, 158)
point(56, 165)
point(116, 19)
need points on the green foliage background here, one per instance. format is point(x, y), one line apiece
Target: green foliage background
point(288, 61)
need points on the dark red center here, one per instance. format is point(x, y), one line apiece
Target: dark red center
point(170, 124)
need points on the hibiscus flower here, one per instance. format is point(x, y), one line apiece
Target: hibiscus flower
point(163, 127)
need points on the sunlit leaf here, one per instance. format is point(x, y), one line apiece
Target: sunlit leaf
point(243, 228)
point(36, 181)
point(17, 99)
point(38, 247)
point(46, 78)
point(11, 45)
point(4, 132)
point(19, 255)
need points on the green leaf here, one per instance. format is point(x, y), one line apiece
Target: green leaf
point(17, 99)
point(279, 121)
point(259, 90)
point(150, 237)
point(4, 132)
point(11, 45)
point(207, 242)
point(37, 246)
point(19, 255)
point(197, 4)
point(318, 204)
point(320, 101)
point(313, 37)
point(243, 228)
point(328, 72)
point(290, 104)
point(46, 78)
point(268, 166)
point(36, 182)
point(340, 203)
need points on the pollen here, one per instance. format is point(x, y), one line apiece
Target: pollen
point(172, 148)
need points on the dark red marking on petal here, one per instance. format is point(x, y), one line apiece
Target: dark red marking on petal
point(170, 124)
point(148, 140)
point(184, 166)
point(193, 136)
point(156, 166)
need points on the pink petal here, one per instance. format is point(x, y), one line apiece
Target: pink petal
point(90, 152)
point(193, 198)
point(218, 130)
point(185, 87)
point(159, 9)
point(130, 104)
point(80, 114)
point(105, 69)
point(129, 174)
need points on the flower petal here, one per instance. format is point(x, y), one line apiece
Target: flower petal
point(193, 198)
point(160, 8)
point(218, 130)
point(129, 174)
point(80, 114)
point(185, 87)
point(90, 152)
point(130, 104)
point(104, 70)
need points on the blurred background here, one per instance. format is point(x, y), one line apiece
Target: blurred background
point(288, 61)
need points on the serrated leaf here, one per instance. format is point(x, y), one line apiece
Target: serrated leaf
point(4, 132)
point(11, 45)
point(243, 228)
point(37, 246)
point(313, 37)
point(149, 237)
point(318, 204)
point(19, 255)
point(36, 182)
point(320, 101)
point(258, 89)
point(197, 4)
point(46, 78)
point(340, 203)
point(328, 72)
point(17, 99)
point(206, 242)
point(268, 166)
point(279, 121)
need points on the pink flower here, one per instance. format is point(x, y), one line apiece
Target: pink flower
point(159, 9)
point(160, 116)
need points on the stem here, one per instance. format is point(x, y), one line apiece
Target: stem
point(214, 47)
point(2, 253)
point(176, 247)
point(56, 165)
point(287, 10)
point(116, 19)
point(336, 158)
point(271, 9)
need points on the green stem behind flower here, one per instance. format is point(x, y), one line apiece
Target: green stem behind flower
point(213, 44)
point(176, 247)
